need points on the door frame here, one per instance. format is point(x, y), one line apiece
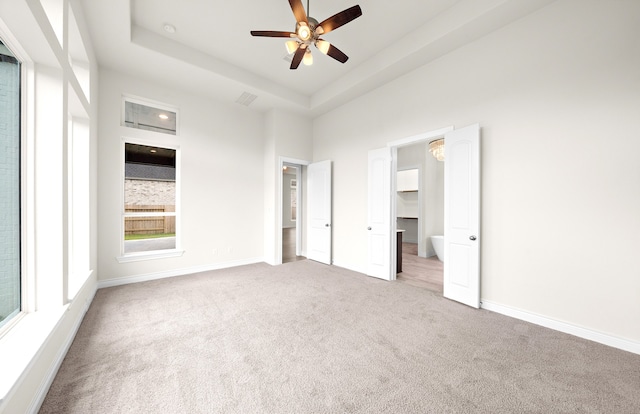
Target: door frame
point(394, 145)
point(282, 161)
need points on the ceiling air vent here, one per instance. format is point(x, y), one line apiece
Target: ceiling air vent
point(246, 98)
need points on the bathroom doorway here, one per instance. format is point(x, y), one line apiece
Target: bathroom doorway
point(461, 229)
point(419, 215)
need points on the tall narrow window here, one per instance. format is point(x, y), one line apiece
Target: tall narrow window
point(149, 198)
point(10, 274)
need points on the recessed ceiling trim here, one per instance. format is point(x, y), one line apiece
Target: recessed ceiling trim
point(188, 55)
point(465, 22)
point(126, 47)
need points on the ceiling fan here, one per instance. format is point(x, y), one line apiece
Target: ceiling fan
point(308, 32)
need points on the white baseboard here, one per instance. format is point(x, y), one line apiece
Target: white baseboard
point(175, 272)
point(46, 382)
point(615, 342)
point(602, 338)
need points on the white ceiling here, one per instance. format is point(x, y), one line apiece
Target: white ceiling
point(212, 51)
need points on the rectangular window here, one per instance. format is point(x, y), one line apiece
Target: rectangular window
point(149, 198)
point(150, 118)
point(10, 270)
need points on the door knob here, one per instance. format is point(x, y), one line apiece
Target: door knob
point(368, 228)
point(472, 238)
point(326, 225)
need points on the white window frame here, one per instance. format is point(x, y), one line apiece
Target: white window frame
point(25, 336)
point(155, 254)
point(22, 336)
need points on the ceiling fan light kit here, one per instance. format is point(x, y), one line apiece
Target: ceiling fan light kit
point(308, 32)
point(323, 46)
point(291, 46)
point(308, 57)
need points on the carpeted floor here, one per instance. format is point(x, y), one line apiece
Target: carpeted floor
point(308, 338)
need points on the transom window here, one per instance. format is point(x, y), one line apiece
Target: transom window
point(154, 118)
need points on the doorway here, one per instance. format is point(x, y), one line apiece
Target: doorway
point(419, 208)
point(291, 223)
point(461, 236)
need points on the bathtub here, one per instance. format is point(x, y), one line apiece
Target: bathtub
point(438, 246)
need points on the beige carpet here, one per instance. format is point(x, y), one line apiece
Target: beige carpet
point(309, 338)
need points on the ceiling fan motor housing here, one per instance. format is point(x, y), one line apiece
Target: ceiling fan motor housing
point(313, 36)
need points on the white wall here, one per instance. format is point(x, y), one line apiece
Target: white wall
point(557, 95)
point(221, 193)
point(288, 137)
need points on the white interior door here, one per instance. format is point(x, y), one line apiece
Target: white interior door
point(319, 212)
point(462, 216)
point(379, 215)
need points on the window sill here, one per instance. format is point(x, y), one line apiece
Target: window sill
point(158, 254)
point(20, 345)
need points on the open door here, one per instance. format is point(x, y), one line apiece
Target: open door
point(319, 212)
point(379, 215)
point(462, 216)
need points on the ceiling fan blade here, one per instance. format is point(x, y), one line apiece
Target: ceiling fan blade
point(337, 54)
point(271, 33)
point(340, 19)
point(298, 11)
point(297, 57)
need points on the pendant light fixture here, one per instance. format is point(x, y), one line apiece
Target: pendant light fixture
point(436, 148)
